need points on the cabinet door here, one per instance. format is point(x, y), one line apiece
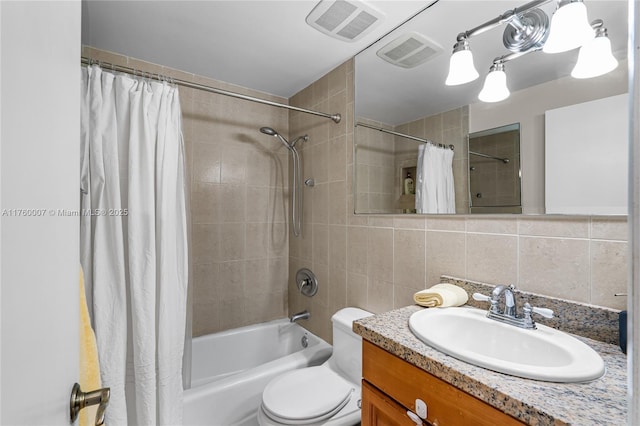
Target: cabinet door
point(380, 410)
point(402, 383)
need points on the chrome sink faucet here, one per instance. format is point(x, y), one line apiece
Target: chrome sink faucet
point(510, 314)
point(510, 309)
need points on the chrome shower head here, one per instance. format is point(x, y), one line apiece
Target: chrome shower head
point(268, 131)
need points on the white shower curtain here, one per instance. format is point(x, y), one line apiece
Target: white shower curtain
point(435, 190)
point(134, 242)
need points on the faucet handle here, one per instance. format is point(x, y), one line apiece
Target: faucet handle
point(545, 312)
point(491, 299)
point(481, 297)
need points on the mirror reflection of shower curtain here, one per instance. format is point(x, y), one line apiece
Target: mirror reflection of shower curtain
point(133, 245)
point(435, 190)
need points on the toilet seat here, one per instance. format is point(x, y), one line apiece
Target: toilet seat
point(306, 396)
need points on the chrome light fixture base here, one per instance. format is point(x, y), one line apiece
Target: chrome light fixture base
point(526, 31)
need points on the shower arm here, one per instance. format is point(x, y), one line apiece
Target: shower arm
point(284, 141)
point(304, 138)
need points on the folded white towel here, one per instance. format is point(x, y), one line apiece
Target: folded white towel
point(441, 295)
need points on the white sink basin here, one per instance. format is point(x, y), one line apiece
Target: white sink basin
point(543, 354)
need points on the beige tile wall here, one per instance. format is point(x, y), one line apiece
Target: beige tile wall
point(375, 169)
point(240, 245)
point(378, 262)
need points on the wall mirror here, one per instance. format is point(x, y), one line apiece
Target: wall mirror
point(494, 170)
point(402, 102)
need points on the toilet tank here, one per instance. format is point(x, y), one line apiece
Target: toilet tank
point(347, 346)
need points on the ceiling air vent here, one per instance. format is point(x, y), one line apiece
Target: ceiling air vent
point(344, 20)
point(409, 50)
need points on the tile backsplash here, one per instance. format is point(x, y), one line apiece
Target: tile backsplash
point(594, 322)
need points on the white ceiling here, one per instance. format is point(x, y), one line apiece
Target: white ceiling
point(265, 45)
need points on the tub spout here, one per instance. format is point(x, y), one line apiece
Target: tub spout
point(300, 315)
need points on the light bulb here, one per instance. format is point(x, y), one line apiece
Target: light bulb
point(595, 57)
point(569, 27)
point(495, 85)
point(461, 68)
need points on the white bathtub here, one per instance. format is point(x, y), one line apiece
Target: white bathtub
point(231, 369)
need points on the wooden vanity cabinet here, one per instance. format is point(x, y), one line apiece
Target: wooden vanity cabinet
point(390, 387)
point(380, 410)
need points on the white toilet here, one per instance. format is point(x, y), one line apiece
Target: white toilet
point(328, 394)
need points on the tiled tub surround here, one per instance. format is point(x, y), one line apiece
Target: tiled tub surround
point(600, 402)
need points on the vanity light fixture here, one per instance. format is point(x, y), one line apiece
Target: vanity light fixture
point(595, 57)
point(569, 27)
point(528, 30)
point(461, 67)
point(495, 84)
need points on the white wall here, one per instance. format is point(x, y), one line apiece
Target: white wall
point(0, 205)
point(586, 160)
point(39, 145)
point(527, 107)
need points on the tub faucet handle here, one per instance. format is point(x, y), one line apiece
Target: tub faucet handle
point(307, 282)
point(304, 283)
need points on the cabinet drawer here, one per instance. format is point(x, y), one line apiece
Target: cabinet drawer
point(446, 405)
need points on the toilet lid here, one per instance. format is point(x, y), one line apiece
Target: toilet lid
point(306, 394)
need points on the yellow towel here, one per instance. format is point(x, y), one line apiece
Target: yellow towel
point(441, 295)
point(89, 367)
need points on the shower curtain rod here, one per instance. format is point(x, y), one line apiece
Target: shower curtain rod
point(479, 154)
point(88, 61)
point(403, 135)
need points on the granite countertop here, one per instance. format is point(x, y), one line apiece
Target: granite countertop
point(599, 402)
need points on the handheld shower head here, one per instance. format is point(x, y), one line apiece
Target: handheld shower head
point(268, 131)
point(296, 211)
